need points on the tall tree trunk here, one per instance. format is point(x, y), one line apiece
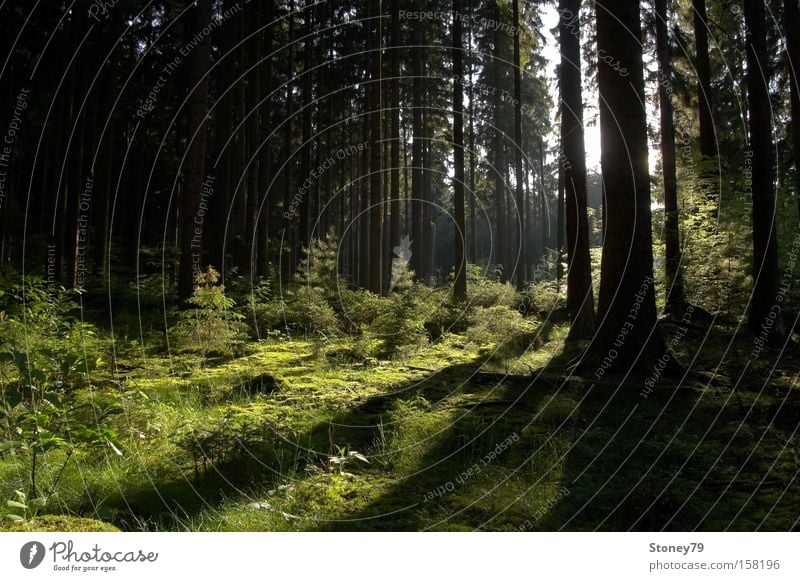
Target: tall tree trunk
point(376, 161)
point(394, 153)
point(288, 250)
point(708, 138)
point(501, 234)
point(247, 261)
point(791, 16)
point(459, 230)
point(519, 174)
point(363, 210)
point(196, 156)
point(472, 252)
point(627, 336)
point(306, 181)
point(544, 215)
point(766, 316)
point(672, 259)
point(580, 297)
point(417, 172)
point(265, 128)
point(561, 215)
point(223, 124)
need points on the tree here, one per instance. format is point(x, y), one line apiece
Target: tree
point(672, 252)
point(376, 161)
point(708, 138)
point(196, 155)
point(417, 173)
point(519, 175)
point(287, 247)
point(580, 296)
point(791, 18)
point(766, 315)
point(460, 231)
point(627, 334)
point(394, 148)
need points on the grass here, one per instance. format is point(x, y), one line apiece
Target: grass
point(246, 444)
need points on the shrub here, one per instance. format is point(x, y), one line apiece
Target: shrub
point(542, 297)
point(501, 326)
point(360, 308)
point(211, 327)
point(484, 292)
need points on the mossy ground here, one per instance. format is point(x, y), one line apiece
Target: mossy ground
point(715, 451)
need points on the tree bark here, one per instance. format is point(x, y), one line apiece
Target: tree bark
point(627, 336)
point(580, 296)
point(196, 156)
point(394, 148)
point(417, 172)
point(519, 174)
point(708, 138)
point(675, 299)
point(766, 316)
point(288, 251)
point(459, 230)
point(791, 16)
point(376, 158)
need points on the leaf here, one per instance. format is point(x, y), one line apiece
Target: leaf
point(8, 445)
point(15, 504)
point(116, 450)
point(14, 517)
point(358, 456)
point(37, 503)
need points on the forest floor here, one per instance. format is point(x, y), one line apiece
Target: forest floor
point(296, 436)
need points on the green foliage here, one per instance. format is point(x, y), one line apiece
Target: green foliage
point(318, 268)
point(542, 297)
point(21, 509)
point(211, 327)
point(38, 332)
point(484, 292)
point(402, 325)
point(504, 328)
point(59, 524)
point(230, 434)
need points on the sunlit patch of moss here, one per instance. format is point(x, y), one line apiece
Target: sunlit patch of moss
point(59, 523)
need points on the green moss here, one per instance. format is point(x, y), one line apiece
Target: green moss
point(58, 523)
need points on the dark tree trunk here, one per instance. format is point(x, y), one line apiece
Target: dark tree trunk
point(544, 215)
point(766, 317)
point(417, 171)
point(223, 125)
point(791, 16)
point(519, 174)
point(501, 234)
point(459, 230)
point(306, 181)
point(580, 297)
point(672, 260)
point(265, 163)
point(376, 161)
point(287, 250)
point(363, 253)
point(247, 261)
point(394, 152)
point(627, 336)
point(196, 156)
point(708, 138)
point(472, 252)
point(561, 217)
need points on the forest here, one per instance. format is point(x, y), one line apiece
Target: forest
point(384, 265)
